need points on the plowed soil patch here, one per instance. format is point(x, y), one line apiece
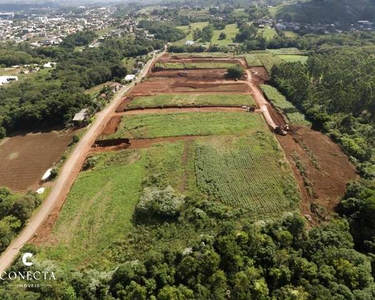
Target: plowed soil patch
point(167, 85)
point(25, 158)
point(259, 75)
point(143, 143)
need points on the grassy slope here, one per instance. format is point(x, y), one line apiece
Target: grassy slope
point(184, 124)
point(188, 100)
point(230, 30)
point(282, 104)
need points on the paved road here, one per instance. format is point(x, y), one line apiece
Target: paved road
point(68, 174)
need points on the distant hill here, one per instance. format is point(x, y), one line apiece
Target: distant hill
point(328, 11)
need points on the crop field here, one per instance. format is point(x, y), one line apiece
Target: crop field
point(293, 58)
point(248, 172)
point(242, 171)
point(192, 65)
point(25, 158)
point(165, 100)
point(185, 124)
point(283, 105)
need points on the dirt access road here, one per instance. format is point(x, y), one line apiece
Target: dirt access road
point(68, 174)
point(260, 100)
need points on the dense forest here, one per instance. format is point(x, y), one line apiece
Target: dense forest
point(335, 90)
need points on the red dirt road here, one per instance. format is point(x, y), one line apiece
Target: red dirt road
point(68, 174)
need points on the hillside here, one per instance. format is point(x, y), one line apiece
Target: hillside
point(328, 11)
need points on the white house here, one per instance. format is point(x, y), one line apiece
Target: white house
point(189, 43)
point(7, 79)
point(129, 77)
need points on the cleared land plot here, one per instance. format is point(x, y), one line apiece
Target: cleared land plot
point(293, 58)
point(249, 172)
point(184, 124)
point(25, 158)
point(158, 85)
point(193, 65)
point(283, 105)
point(211, 74)
point(168, 100)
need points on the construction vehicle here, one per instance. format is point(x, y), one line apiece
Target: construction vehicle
point(249, 108)
point(280, 130)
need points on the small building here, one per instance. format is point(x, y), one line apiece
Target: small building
point(7, 79)
point(129, 77)
point(115, 86)
point(81, 116)
point(189, 43)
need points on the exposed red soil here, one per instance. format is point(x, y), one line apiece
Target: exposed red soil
point(165, 85)
point(112, 125)
point(328, 169)
point(143, 143)
point(125, 102)
point(25, 158)
point(259, 75)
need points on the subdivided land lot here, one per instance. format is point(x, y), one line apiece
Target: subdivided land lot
point(181, 100)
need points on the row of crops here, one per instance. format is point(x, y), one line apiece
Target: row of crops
point(248, 172)
point(283, 105)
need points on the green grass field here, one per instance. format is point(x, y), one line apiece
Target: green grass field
point(189, 31)
point(192, 65)
point(166, 100)
point(293, 58)
point(230, 30)
point(283, 105)
point(185, 124)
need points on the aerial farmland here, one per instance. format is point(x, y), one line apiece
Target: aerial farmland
point(186, 128)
